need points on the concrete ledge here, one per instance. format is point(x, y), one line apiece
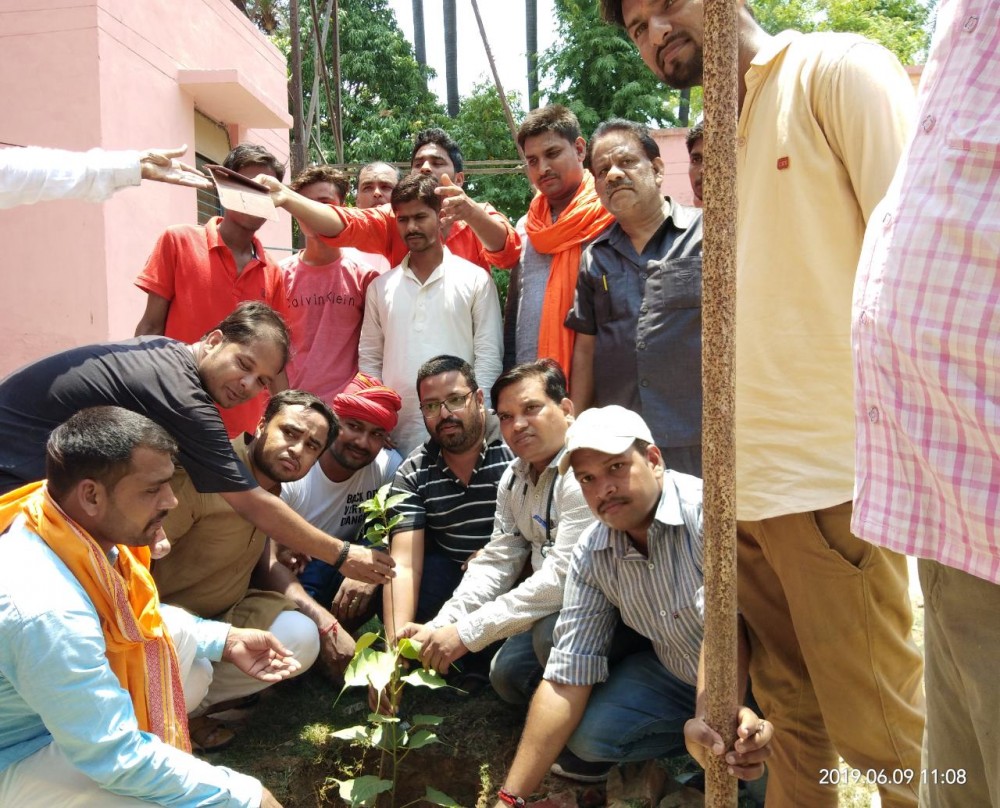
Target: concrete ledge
point(227, 96)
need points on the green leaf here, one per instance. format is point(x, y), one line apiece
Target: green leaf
point(364, 641)
point(435, 797)
point(422, 678)
point(426, 720)
point(421, 738)
point(358, 733)
point(362, 791)
point(409, 649)
point(378, 718)
point(370, 667)
point(394, 500)
point(394, 521)
point(389, 737)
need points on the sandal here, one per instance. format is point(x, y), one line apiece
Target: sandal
point(209, 735)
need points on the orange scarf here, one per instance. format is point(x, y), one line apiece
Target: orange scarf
point(583, 220)
point(139, 649)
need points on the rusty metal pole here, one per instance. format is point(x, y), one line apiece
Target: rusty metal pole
point(720, 82)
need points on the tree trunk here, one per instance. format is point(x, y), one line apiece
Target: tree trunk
point(419, 46)
point(684, 111)
point(451, 55)
point(299, 147)
point(531, 45)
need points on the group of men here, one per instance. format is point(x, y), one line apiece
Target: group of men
point(551, 531)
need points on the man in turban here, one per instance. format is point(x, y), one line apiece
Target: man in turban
point(329, 496)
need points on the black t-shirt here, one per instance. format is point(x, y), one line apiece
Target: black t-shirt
point(154, 376)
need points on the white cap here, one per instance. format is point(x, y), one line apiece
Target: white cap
point(610, 429)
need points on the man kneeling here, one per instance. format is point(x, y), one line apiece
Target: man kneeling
point(90, 692)
point(220, 566)
point(641, 563)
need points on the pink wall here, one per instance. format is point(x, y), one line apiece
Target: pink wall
point(675, 160)
point(82, 73)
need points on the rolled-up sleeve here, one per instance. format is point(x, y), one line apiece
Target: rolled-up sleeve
point(586, 624)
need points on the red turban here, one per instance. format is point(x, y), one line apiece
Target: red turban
point(367, 399)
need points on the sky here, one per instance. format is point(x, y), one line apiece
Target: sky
point(504, 23)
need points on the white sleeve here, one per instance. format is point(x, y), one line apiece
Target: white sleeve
point(35, 174)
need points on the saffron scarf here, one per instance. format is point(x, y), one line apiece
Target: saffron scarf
point(583, 220)
point(139, 648)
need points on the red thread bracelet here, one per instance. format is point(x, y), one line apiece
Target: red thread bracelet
point(330, 629)
point(509, 799)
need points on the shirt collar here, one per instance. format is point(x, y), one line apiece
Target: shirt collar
point(435, 275)
point(680, 217)
point(215, 241)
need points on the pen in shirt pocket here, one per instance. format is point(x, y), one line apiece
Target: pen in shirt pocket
point(604, 279)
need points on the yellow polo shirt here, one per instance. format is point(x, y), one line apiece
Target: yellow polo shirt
point(822, 127)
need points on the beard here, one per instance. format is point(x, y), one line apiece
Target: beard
point(467, 436)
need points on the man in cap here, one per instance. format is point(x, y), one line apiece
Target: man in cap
point(329, 497)
point(641, 563)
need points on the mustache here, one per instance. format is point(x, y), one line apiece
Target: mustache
point(611, 501)
point(619, 185)
point(158, 518)
point(670, 40)
point(451, 420)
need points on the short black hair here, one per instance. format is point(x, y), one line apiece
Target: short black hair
point(416, 188)
point(97, 444)
point(252, 320)
point(303, 398)
point(440, 138)
point(445, 363)
point(250, 154)
point(553, 118)
point(322, 173)
point(695, 133)
point(637, 130)
point(547, 370)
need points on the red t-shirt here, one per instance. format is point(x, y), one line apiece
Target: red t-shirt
point(193, 268)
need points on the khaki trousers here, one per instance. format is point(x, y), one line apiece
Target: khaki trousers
point(961, 764)
point(833, 664)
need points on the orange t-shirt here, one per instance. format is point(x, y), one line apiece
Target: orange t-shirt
point(374, 230)
point(193, 268)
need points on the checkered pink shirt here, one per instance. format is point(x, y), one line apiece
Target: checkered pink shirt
point(926, 320)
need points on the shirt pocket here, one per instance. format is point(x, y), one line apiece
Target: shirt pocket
point(677, 283)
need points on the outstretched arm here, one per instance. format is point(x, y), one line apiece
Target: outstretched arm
point(272, 516)
point(317, 217)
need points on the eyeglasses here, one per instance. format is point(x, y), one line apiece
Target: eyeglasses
point(452, 404)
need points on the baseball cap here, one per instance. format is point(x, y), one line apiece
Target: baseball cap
point(610, 429)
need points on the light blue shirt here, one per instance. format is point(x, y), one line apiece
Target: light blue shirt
point(661, 595)
point(56, 686)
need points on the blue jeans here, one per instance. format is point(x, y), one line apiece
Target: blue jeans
point(637, 714)
point(437, 584)
point(321, 582)
point(517, 668)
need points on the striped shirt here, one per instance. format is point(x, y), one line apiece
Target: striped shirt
point(537, 520)
point(660, 596)
point(926, 320)
point(457, 519)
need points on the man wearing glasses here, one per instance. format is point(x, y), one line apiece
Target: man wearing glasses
point(450, 483)
point(539, 516)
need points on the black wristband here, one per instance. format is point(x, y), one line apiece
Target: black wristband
point(343, 556)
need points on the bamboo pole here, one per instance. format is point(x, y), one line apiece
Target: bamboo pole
point(319, 48)
point(720, 82)
point(496, 78)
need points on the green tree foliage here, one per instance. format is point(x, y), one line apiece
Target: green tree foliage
point(481, 130)
point(899, 25)
point(594, 70)
point(383, 89)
